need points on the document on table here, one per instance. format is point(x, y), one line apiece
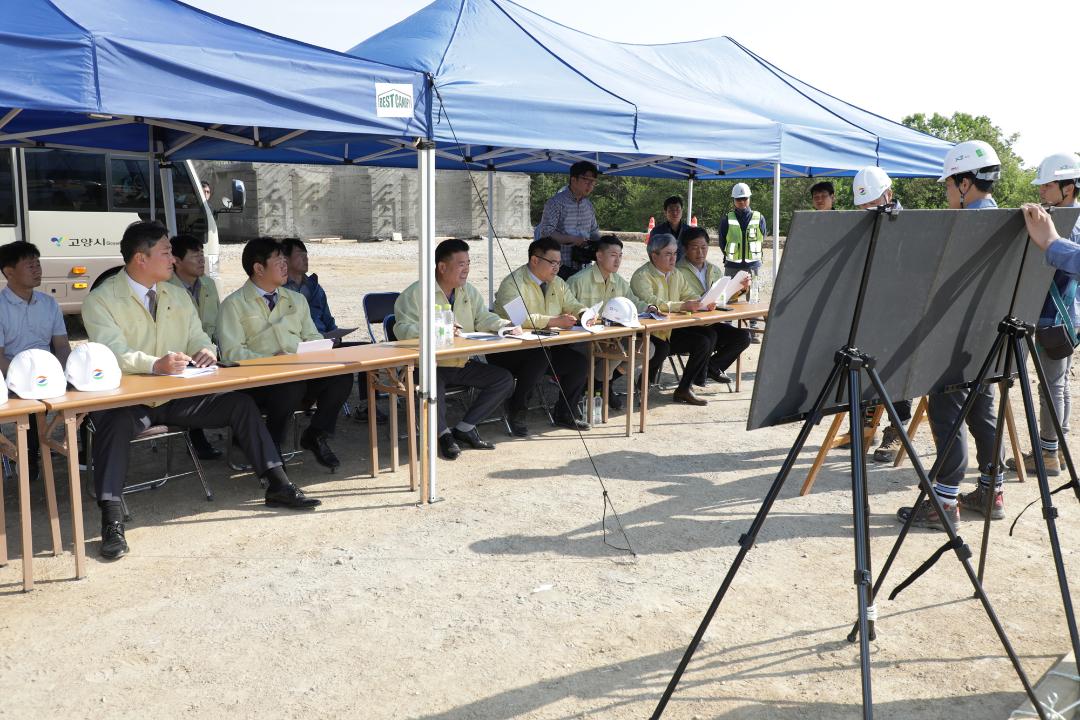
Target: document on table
point(191, 371)
point(724, 289)
point(516, 311)
point(314, 346)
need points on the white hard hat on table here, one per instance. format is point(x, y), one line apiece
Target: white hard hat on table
point(36, 375)
point(92, 366)
point(620, 310)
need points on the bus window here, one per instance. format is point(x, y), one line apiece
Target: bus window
point(7, 189)
point(62, 180)
point(131, 186)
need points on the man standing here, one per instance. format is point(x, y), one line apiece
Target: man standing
point(569, 217)
point(969, 173)
point(152, 328)
point(189, 272)
point(741, 233)
point(29, 319)
point(699, 275)
point(673, 220)
point(1058, 181)
point(262, 318)
point(470, 315)
point(549, 304)
point(823, 194)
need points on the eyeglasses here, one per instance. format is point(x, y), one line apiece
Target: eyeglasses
point(552, 263)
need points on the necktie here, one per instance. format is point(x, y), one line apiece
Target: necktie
point(271, 300)
point(151, 300)
point(543, 289)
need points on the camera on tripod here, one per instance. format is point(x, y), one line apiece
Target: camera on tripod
point(582, 254)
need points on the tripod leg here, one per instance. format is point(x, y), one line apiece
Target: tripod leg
point(1011, 354)
point(747, 541)
point(1049, 511)
point(963, 553)
point(1044, 389)
point(862, 540)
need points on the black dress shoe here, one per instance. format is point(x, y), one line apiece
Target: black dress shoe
point(517, 425)
point(448, 447)
point(290, 496)
point(720, 376)
point(571, 423)
point(113, 544)
point(472, 439)
point(688, 397)
point(316, 443)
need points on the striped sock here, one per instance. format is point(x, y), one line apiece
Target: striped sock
point(1050, 446)
point(946, 493)
point(999, 481)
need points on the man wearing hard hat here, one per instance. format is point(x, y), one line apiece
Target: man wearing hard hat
point(871, 188)
point(741, 233)
point(970, 170)
point(1058, 182)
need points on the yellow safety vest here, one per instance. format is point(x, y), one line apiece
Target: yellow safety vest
point(738, 248)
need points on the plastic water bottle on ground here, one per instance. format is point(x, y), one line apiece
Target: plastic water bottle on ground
point(597, 409)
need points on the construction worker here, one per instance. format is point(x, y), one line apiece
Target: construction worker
point(1058, 182)
point(741, 233)
point(969, 173)
point(871, 188)
point(822, 195)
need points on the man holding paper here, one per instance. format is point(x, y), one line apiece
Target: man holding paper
point(535, 297)
point(263, 318)
point(493, 383)
point(658, 283)
point(152, 327)
point(700, 275)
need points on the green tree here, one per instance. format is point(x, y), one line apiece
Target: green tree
point(1011, 190)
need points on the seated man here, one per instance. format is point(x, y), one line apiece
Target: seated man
point(189, 272)
point(470, 315)
point(299, 281)
point(600, 282)
point(658, 283)
point(699, 275)
point(549, 304)
point(151, 327)
point(29, 319)
point(262, 318)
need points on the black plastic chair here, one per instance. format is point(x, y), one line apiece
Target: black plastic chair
point(377, 307)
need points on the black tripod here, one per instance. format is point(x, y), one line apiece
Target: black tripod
point(848, 365)
point(1014, 337)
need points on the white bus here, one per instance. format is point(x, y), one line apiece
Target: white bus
point(74, 206)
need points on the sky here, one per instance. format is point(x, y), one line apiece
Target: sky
point(1018, 68)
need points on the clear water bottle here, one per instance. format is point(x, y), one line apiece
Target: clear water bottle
point(441, 330)
point(450, 323)
point(755, 294)
point(597, 409)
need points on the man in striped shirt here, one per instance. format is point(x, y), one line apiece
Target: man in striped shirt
point(569, 218)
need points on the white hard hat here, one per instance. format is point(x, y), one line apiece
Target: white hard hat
point(971, 156)
point(36, 375)
point(741, 190)
point(1059, 166)
point(869, 184)
point(92, 366)
point(620, 310)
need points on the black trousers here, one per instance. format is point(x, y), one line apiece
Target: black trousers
point(115, 429)
point(494, 383)
point(528, 367)
point(280, 401)
point(696, 342)
point(730, 341)
point(942, 411)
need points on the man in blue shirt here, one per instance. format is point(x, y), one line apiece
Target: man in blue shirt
point(29, 319)
point(1058, 182)
point(970, 170)
point(307, 285)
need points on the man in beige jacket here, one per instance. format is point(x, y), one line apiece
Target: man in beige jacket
point(152, 328)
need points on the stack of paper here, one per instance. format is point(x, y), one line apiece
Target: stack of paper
point(724, 289)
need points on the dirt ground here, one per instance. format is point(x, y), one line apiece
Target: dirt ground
point(503, 601)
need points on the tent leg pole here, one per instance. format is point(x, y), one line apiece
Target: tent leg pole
point(428, 392)
point(689, 201)
point(491, 238)
point(776, 221)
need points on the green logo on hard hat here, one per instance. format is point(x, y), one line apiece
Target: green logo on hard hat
point(978, 152)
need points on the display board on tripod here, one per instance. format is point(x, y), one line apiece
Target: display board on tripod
point(939, 284)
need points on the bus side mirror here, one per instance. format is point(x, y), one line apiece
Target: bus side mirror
point(238, 199)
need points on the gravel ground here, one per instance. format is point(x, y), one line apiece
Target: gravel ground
point(503, 601)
